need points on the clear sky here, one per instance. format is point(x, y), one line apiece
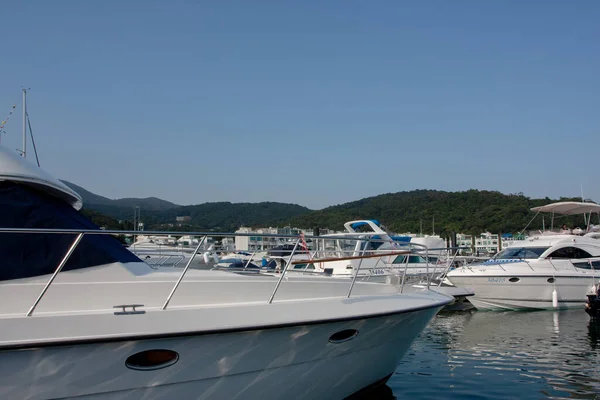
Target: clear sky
point(310, 102)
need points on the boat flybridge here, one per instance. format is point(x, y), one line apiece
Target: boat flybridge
point(83, 317)
point(548, 270)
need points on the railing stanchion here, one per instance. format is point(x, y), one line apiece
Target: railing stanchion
point(187, 266)
point(58, 269)
point(354, 277)
point(250, 259)
point(448, 266)
point(427, 267)
point(283, 271)
point(405, 268)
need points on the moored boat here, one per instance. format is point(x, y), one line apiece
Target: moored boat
point(545, 271)
point(88, 318)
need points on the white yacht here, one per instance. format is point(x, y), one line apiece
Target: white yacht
point(386, 254)
point(379, 257)
point(158, 252)
point(83, 317)
point(549, 270)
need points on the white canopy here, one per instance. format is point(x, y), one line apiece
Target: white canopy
point(569, 208)
point(17, 169)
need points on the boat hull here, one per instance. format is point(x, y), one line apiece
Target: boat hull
point(498, 293)
point(289, 362)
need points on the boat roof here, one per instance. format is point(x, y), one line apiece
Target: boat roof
point(352, 226)
point(568, 208)
point(17, 169)
point(552, 240)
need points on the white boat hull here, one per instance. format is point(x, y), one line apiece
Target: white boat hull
point(288, 362)
point(529, 292)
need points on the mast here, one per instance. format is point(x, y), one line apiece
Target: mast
point(24, 151)
point(585, 220)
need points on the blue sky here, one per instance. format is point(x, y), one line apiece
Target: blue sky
point(308, 102)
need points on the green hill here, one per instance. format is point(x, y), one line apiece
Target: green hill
point(120, 209)
point(159, 214)
point(471, 211)
point(227, 217)
point(148, 203)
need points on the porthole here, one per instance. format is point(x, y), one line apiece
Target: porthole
point(149, 360)
point(551, 280)
point(343, 336)
point(514, 280)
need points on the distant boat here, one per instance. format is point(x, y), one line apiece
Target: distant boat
point(551, 270)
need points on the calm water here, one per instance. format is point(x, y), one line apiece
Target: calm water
point(490, 355)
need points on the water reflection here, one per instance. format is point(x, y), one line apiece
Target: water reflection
point(503, 355)
point(594, 334)
point(383, 392)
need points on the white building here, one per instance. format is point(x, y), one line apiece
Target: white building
point(486, 243)
point(265, 243)
point(255, 243)
point(228, 244)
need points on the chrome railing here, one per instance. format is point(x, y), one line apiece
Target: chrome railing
point(363, 254)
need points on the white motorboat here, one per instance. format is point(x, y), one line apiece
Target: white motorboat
point(156, 252)
point(387, 256)
point(83, 317)
point(546, 271)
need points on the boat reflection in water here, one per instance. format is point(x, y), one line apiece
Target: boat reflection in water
point(503, 356)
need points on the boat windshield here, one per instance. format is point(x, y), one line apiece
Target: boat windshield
point(25, 256)
point(414, 260)
point(520, 253)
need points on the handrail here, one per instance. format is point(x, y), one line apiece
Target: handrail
point(58, 269)
point(320, 260)
point(374, 253)
point(283, 271)
point(448, 266)
point(427, 266)
point(187, 266)
point(354, 277)
point(173, 233)
point(551, 263)
point(249, 260)
point(404, 275)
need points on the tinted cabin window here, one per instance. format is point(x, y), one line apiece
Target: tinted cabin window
point(416, 260)
point(520, 253)
point(587, 264)
point(304, 266)
point(570, 252)
point(399, 260)
point(413, 259)
point(27, 255)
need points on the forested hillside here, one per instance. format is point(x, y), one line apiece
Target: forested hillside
point(471, 211)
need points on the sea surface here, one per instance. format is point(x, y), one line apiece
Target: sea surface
point(501, 355)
